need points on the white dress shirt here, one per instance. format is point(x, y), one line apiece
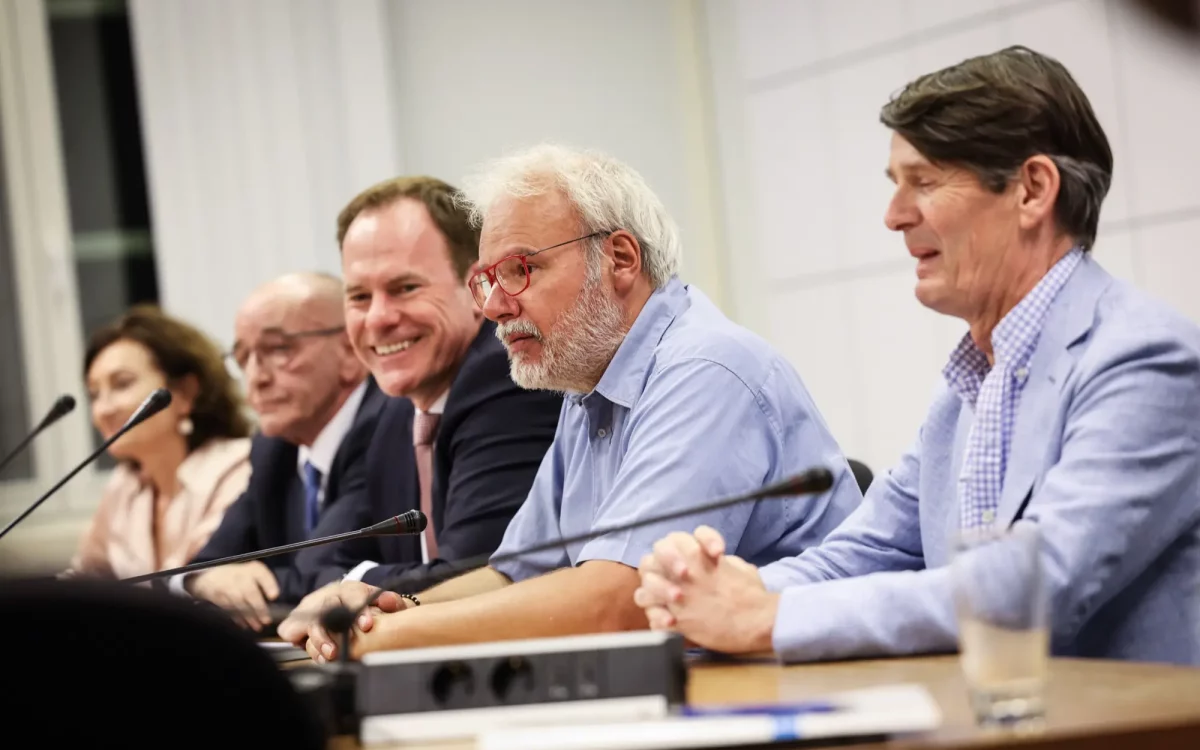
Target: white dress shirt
point(357, 572)
point(325, 447)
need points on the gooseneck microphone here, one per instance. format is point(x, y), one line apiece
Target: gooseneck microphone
point(339, 618)
point(62, 407)
point(412, 522)
point(154, 403)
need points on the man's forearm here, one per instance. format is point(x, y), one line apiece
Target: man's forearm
point(595, 597)
point(476, 582)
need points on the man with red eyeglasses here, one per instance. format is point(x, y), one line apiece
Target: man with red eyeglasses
point(668, 405)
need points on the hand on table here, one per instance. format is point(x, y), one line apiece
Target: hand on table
point(244, 589)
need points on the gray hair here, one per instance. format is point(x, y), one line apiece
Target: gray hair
point(607, 194)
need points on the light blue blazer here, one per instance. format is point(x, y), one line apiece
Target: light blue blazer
point(1105, 459)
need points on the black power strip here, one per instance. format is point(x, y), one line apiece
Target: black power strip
point(456, 691)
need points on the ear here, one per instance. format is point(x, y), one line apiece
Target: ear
point(184, 392)
point(352, 369)
point(1038, 182)
point(465, 291)
point(626, 253)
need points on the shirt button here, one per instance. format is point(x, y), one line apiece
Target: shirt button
point(989, 516)
point(601, 432)
point(1022, 373)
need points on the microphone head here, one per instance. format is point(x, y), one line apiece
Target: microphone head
point(337, 619)
point(63, 406)
point(418, 522)
point(158, 400)
point(409, 522)
point(808, 482)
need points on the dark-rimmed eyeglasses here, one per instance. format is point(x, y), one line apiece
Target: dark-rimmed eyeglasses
point(511, 273)
point(275, 347)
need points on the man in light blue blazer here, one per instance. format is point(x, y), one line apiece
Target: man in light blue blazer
point(1073, 403)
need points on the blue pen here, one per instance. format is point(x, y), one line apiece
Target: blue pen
point(766, 709)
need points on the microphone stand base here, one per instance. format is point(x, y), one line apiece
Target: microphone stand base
point(331, 692)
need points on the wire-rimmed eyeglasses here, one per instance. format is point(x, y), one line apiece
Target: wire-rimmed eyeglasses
point(275, 347)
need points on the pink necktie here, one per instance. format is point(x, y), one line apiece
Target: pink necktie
point(424, 429)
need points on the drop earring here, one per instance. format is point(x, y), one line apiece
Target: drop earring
point(186, 426)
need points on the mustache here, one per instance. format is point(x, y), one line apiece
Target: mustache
point(517, 328)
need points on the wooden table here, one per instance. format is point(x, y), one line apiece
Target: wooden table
point(1092, 705)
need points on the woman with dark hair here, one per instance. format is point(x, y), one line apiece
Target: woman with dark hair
point(179, 470)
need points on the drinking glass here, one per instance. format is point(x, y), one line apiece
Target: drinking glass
point(1003, 623)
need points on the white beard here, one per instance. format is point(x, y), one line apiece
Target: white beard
point(578, 348)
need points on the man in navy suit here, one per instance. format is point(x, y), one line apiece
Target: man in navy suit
point(317, 410)
point(465, 442)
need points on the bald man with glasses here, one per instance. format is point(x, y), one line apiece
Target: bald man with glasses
point(317, 409)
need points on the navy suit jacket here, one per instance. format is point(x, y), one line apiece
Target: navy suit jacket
point(490, 442)
point(270, 513)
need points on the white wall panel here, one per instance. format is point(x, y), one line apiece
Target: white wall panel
point(1160, 90)
point(924, 15)
point(855, 25)
point(951, 49)
point(1170, 264)
point(813, 329)
point(1114, 251)
point(796, 177)
point(261, 118)
point(860, 149)
point(779, 35)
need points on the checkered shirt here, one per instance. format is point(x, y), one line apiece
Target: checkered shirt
point(994, 392)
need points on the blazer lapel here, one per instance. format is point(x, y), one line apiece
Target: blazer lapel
point(284, 505)
point(1068, 322)
point(458, 401)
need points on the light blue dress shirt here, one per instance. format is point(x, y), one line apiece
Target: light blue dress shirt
point(691, 409)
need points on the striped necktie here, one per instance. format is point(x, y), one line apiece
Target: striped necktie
point(424, 431)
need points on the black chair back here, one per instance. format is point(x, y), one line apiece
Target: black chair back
point(862, 474)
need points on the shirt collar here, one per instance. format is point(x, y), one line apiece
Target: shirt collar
point(966, 369)
point(1014, 337)
point(625, 375)
point(437, 407)
point(325, 447)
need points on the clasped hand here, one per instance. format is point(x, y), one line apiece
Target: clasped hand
point(303, 626)
point(718, 601)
